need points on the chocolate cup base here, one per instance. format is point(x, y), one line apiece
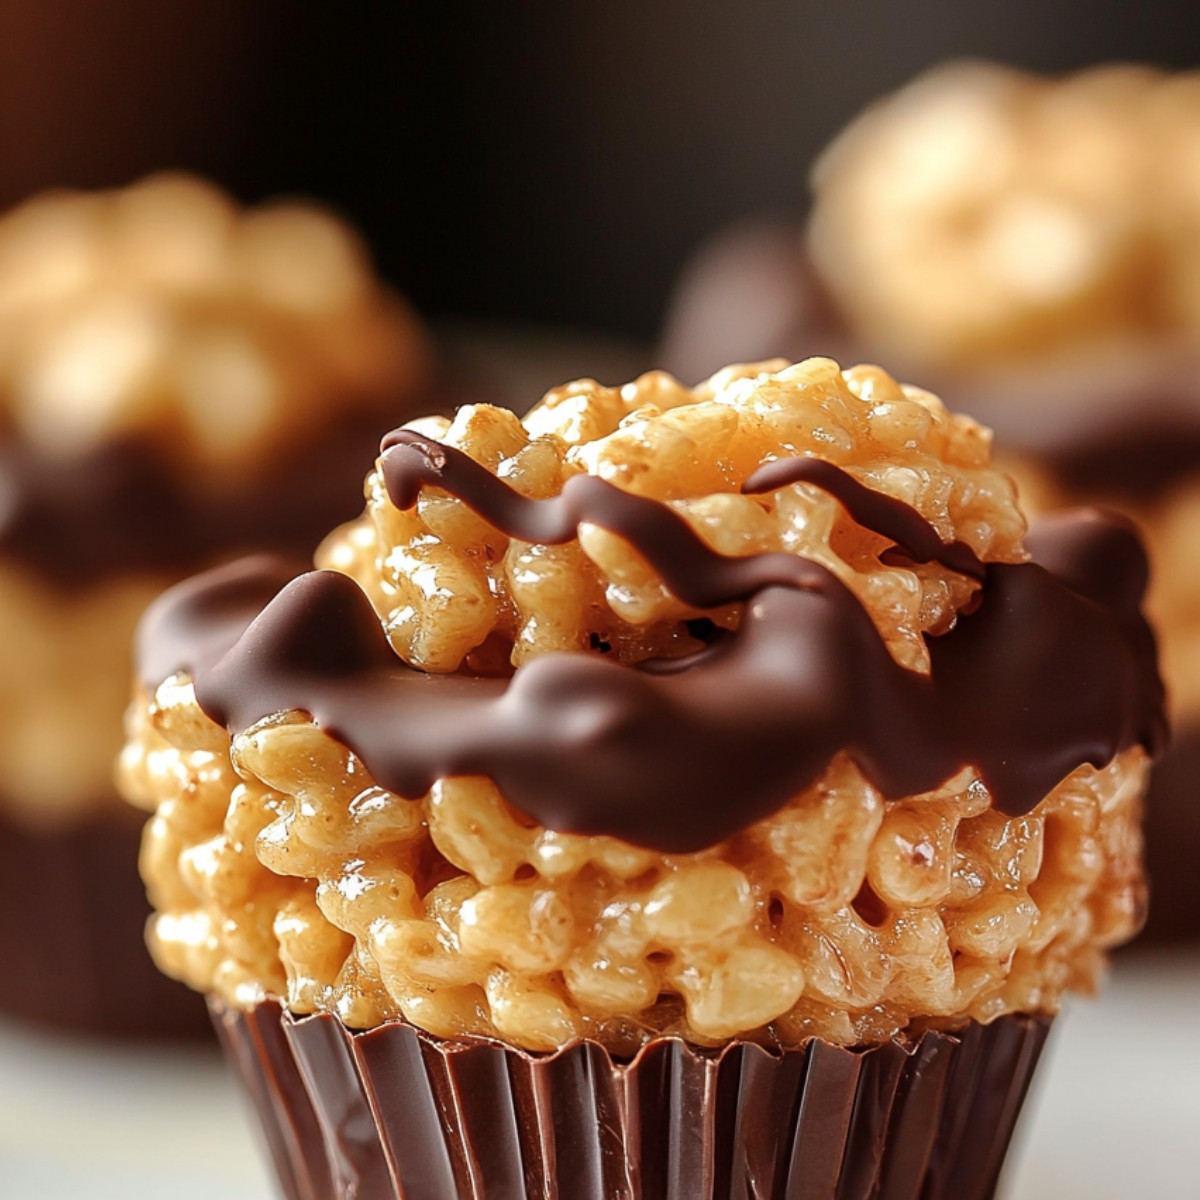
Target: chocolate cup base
point(397, 1114)
point(72, 928)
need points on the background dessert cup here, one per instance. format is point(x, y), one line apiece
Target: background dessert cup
point(169, 366)
point(653, 796)
point(1031, 246)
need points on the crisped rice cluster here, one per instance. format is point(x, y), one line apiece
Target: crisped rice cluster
point(162, 311)
point(279, 866)
point(983, 212)
point(452, 593)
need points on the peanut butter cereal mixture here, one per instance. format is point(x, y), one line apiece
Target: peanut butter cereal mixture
point(278, 866)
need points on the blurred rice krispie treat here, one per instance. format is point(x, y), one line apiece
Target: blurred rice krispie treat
point(162, 353)
point(1031, 245)
point(1032, 216)
point(668, 719)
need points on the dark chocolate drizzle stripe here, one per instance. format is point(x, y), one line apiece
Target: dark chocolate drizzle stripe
point(690, 570)
point(472, 1119)
point(1054, 669)
point(197, 621)
point(696, 574)
point(887, 516)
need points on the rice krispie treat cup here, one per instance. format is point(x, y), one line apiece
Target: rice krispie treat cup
point(672, 793)
point(1031, 246)
point(180, 381)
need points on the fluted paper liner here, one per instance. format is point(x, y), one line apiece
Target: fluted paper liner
point(72, 919)
point(397, 1114)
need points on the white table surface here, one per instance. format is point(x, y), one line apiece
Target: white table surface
point(1116, 1114)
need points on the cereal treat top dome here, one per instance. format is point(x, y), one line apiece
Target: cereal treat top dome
point(163, 312)
point(728, 712)
point(983, 213)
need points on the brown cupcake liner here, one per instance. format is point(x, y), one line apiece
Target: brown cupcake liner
point(398, 1114)
point(72, 933)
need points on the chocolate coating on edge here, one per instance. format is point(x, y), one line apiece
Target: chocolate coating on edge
point(680, 755)
point(207, 614)
point(124, 506)
point(1127, 431)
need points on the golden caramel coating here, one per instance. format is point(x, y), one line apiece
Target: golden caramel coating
point(163, 312)
point(279, 866)
point(983, 213)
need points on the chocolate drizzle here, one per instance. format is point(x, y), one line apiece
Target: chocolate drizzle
point(1046, 674)
point(885, 515)
point(696, 574)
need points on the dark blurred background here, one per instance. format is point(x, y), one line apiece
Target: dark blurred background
point(545, 161)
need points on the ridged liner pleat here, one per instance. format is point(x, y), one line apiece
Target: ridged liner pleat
point(257, 1046)
point(398, 1114)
